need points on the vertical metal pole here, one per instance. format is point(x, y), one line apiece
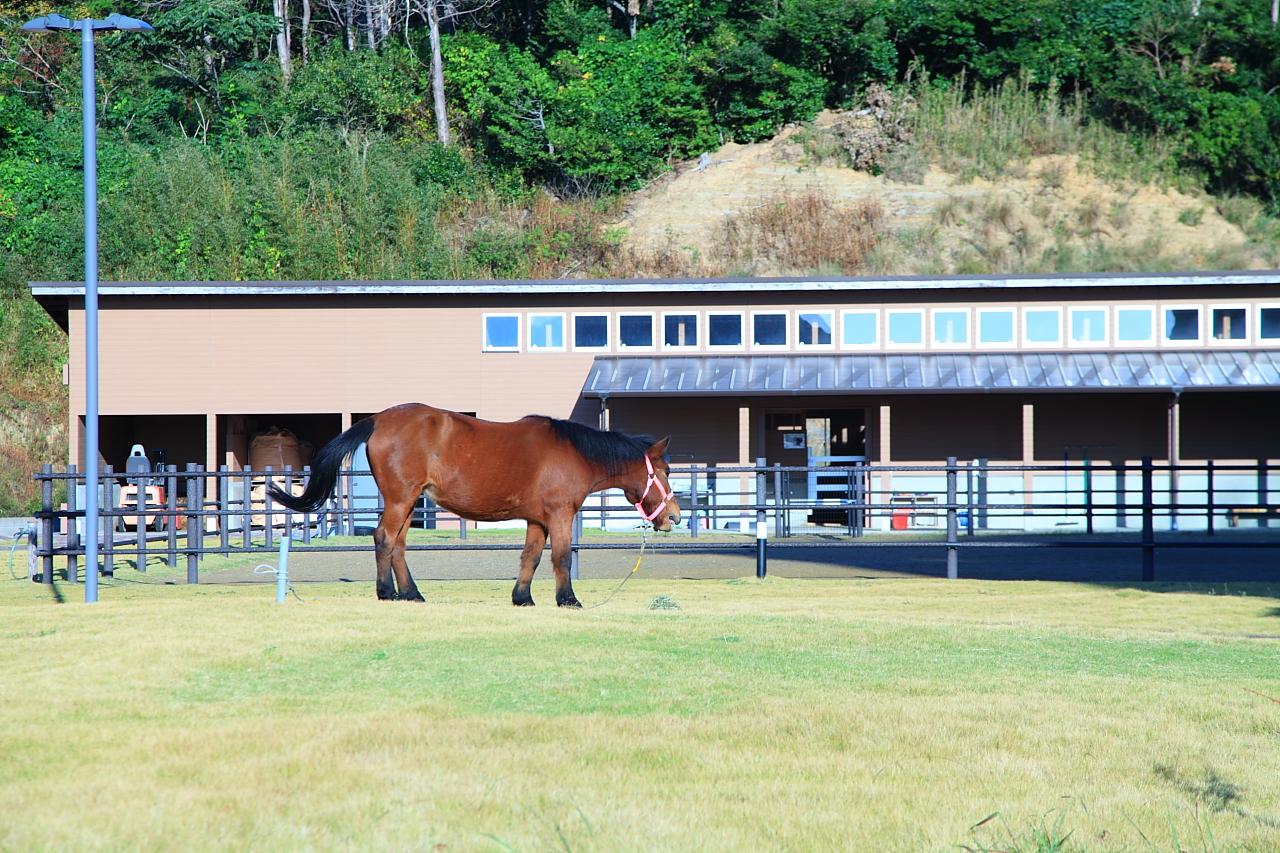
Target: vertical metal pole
point(777, 500)
point(288, 489)
point(170, 480)
point(282, 569)
point(953, 553)
point(268, 519)
point(140, 507)
point(1122, 493)
point(224, 507)
point(575, 538)
point(246, 529)
point(693, 503)
point(73, 537)
point(195, 535)
point(108, 524)
point(46, 525)
point(89, 121)
point(968, 494)
point(762, 526)
point(1088, 496)
point(1262, 491)
point(1208, 497)
point(306, 516)
point(1148, 523)
point(984, 471)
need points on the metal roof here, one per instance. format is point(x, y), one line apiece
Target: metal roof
point(620, 376)
point(656, 286)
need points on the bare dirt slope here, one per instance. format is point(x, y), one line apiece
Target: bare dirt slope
point(1042, 208)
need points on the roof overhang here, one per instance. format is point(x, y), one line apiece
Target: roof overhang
point(780, 375)
point(655, 287)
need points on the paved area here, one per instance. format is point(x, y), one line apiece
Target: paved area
point(1237, 558)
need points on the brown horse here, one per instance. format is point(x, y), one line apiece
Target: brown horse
point(537, 468)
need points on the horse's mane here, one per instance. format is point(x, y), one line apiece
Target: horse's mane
point(611, 449)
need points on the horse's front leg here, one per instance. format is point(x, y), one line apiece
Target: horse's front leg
point(561, 554)
point(535, 537)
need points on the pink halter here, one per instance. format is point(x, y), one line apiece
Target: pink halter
point(652, 481)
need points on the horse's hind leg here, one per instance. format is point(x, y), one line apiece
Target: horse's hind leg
point(388, 542)
point(535, 537)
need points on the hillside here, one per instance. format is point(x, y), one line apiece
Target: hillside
point(760, 208)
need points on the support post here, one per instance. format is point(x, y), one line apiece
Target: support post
point(968, 492)
point(46, 525)
point(1148, 523)
point(1208, 497)
point(73, 536)
point(282, 569)
point(108, 524)
point(693, 503)
point(195, 532)
point(170, 480)
point(1262, 491)
point(140, 521)
point(1088, 496)
point(575, 537)
point(953, 552)
point(762, 526)
point(224, 507)
point(246, 504)
point(777, 500)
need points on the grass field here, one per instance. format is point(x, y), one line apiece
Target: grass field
point(683, 715)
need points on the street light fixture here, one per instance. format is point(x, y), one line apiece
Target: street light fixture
point(89, 107)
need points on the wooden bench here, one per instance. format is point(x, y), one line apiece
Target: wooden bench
point(1237, 513)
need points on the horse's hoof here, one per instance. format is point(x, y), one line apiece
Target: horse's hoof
point(526, 603)
point(570, 602)
point(522, 597)
point(414, 596)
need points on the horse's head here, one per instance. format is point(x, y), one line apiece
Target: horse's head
point(650, 491)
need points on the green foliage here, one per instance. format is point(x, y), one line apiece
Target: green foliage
point(363, 91)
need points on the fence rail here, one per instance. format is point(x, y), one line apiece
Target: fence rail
point(182, 516)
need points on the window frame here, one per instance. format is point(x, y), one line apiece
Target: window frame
point(1012, 343)
point(653, 338)
point(564, 331)
point(484, 330)
point(697, 331)
point(1228, 342)
point(1258, 339)
point(935, 344)
point(1118, 342)
point(786, 330)
point(740, 346)
point(890, 344)
point(1069, 328)
point(1164, 320)
point(875, 320)
point(1057, 342)
point(608, 342)
point(831, 324)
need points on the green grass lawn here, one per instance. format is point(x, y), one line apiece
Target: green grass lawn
point(796, 715)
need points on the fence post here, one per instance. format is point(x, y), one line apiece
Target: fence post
point(106, 509)
point(693, 503)
point(984, 471)
point(968, 492)
point(953, 553)
point(1262, 491)
point(46, 525)
point(1122, 491)
point(246, 504)
point(224, 507)
point(1208, 496)
point(762, 526)
point(1088, 496)
point(171, 512)
point(195, 532)
point(306, 516)
point(575, 536)
point(140, 521)
point(777, 500)
point(1148, 523)
point(268, 519)
point(288, 490)
point(73, 536)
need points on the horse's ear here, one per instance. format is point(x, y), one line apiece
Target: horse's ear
point(658, 448)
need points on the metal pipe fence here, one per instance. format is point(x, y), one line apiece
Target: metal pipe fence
point(174, 516)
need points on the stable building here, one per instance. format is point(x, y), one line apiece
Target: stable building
point(1021, 369)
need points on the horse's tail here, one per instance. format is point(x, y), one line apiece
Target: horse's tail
point(324, 469)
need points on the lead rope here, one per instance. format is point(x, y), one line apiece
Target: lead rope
point(644, 540)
